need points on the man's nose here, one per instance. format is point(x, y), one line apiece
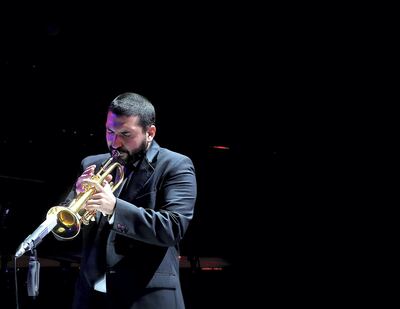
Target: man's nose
point(116, 142)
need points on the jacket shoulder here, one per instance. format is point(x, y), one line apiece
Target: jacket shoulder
point(174, 160)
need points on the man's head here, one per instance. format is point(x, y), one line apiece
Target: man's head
point(130, 125)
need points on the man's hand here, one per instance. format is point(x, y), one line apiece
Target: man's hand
point(103, 200)
point(86, 175)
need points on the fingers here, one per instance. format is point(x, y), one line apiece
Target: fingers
point(102, 199)
point(89, 171)
point(87, 174)
point(91, 183)
point(109, 178)
point(93, 204)
point(100, 188)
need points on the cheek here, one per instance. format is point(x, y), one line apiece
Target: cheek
point(132, 144)
point(135, 144)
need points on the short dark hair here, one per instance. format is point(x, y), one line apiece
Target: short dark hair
point(133, 104)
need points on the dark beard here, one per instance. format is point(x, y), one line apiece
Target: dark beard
point(133, 158)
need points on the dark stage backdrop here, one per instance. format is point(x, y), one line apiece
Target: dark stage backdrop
point(238, 77)
point(215, 81)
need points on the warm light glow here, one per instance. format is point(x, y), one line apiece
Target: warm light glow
point(220, 147)
point(211, 268)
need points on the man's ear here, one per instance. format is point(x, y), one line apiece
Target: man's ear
point(151, 132)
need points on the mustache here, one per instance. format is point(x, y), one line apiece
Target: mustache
point(126, 157)
point(120, 150)
point(122, 155)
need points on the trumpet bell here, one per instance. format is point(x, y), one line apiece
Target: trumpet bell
point(68, 223)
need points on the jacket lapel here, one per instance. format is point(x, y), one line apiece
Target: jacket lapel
point(137, 180)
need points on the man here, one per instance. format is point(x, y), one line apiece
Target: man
point(130, 256)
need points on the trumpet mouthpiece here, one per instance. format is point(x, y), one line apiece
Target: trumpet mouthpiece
point(115, 153)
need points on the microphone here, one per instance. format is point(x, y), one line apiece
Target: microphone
point(37, 236)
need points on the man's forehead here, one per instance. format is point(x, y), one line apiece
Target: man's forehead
point(118, 120)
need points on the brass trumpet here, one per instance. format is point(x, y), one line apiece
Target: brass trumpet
point(70, 218)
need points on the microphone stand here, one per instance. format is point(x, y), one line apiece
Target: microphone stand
point(33, 274)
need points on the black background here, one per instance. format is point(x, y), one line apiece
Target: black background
point(245, 77)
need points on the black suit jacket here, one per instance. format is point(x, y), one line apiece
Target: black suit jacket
point(151, 216)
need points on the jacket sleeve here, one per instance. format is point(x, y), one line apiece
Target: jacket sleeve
point(160, 216)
